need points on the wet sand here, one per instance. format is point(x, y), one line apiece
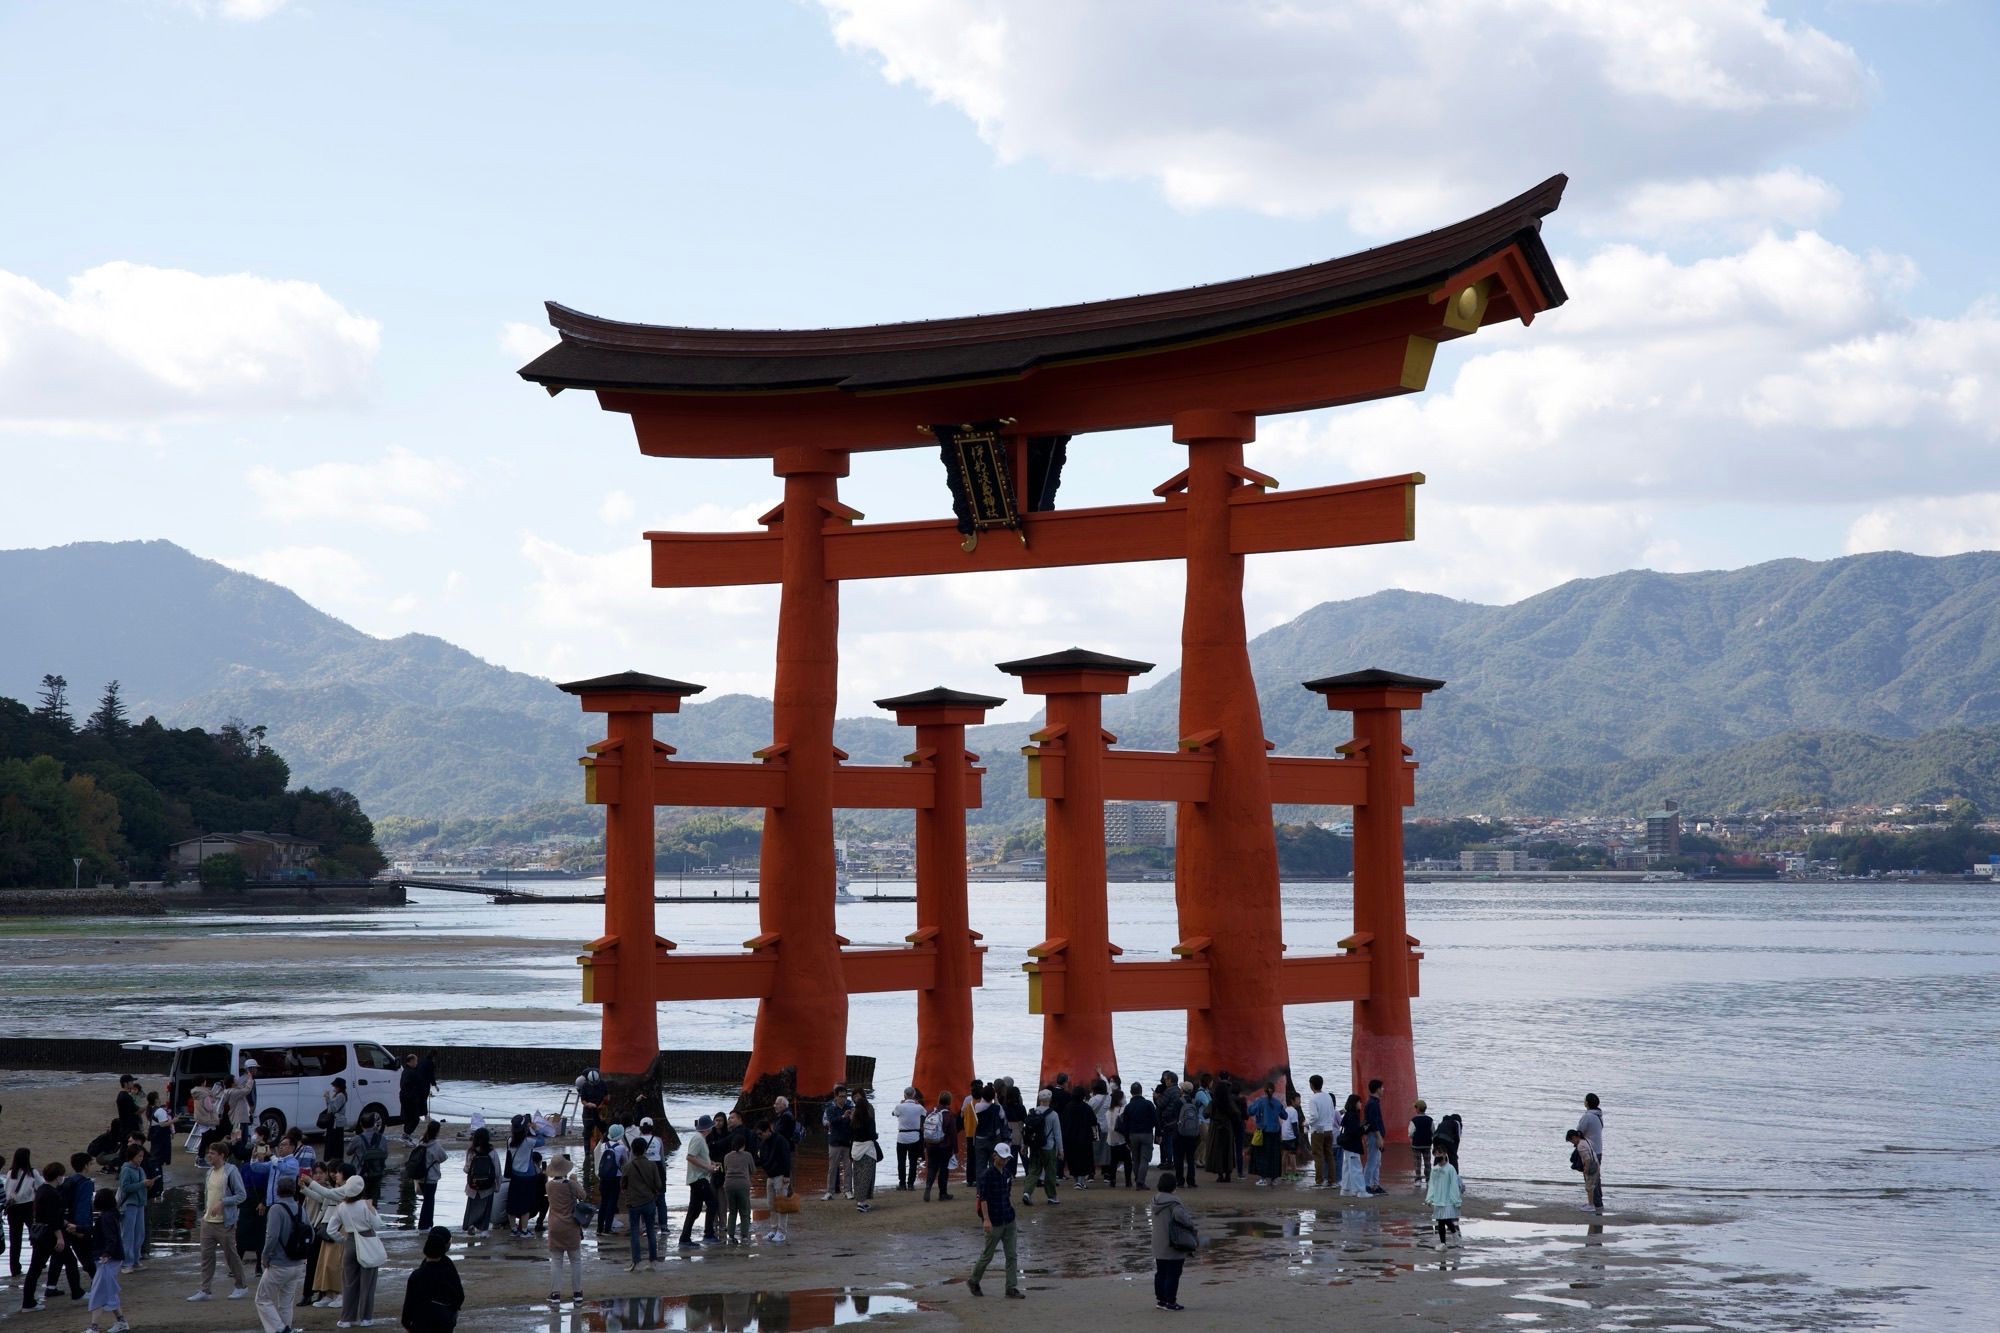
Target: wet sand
point(168, 949)
point(1286, 1253)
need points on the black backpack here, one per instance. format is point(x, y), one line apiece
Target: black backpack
point(298, 1236)
point(479, 1173)
point(1035, 1131)
point(607, 1163)
point(374, 1158)
point(1190, 1126)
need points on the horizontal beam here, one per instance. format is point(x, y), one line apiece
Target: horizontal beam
point(695, 783)
point(1154, 775)
point(873, 970)
point(1332, 978)
point(750, 976)
point(1303, 780)
point(1320, 518)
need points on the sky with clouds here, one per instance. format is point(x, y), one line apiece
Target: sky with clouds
point(267, 269)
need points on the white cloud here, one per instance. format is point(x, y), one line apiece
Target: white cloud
point(329, 578)
point(400, 493)
point(1946, 525)
point(524, 342)
point(1785, 372)
point(237, 11)
point(128, 345)
point(1735, 207)
point(1395, 113)
point(617, 509)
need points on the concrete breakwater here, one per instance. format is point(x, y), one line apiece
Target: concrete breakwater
point(485, 1064)
point(81, 902)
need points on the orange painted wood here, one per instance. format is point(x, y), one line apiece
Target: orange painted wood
point(1324, 979)
point(696, 976)
point(1297, 780)
point(880, 787)
point(1317, 518)
point(695, 783)
point(1183, 983)
point(1153, 775)
point(1344, 357)
point(871, 970)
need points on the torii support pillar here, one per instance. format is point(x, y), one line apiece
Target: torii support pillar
point(944, 1008)
point(619, 776)
point(1383, 1045)
point(1076, 1032)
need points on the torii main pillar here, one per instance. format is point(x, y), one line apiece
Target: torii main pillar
point(1226, 853)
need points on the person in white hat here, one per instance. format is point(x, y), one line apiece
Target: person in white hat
point(996, 1216)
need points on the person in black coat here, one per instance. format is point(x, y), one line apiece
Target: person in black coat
point(434, 1295)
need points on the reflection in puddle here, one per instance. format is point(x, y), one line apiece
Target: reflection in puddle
point(725, 1312)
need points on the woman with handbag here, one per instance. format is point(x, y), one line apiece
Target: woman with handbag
point(362, 1253)
point(1174, 1239)
point(568, 1212)
point(333, 1119)
point(434, 1295)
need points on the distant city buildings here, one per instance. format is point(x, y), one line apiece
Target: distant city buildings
point(1492, 858)
point(1663, 832)
point(1138, 824)
point(264, 855)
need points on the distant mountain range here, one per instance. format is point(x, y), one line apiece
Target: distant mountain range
point(1793, 680)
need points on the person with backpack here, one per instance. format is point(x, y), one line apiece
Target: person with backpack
point(940, 1134)
point(1421, 1127)
point(1450, 1132)
point(643, 1185)
point(909, 1115)
point(1187, 1136)
point(287, 1244)
point(1175, 1237)
point(108, 1241)
point(610, 1171)
point(1582, 1157)
point(482, 1183)
point(368, 1155)
point(1041, 1139)
point(425, 1168)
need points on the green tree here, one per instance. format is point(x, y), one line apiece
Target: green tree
point(109, 721)
point(223, 872)
point(54, 704)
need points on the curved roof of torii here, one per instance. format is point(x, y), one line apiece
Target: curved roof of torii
point(597, 353)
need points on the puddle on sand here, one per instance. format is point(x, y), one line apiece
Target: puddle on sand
point(730, 1311)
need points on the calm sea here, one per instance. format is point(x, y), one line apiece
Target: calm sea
point(1815, 1064)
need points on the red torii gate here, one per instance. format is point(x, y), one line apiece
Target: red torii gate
point(1206, 361)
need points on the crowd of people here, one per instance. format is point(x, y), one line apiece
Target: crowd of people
point(302, 1221)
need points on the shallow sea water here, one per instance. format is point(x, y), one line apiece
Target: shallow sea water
point(1811, 1064)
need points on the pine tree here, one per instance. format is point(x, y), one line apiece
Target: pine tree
point(54, 704)
point(109, 720)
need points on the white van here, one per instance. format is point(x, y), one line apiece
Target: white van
point(293, 1075)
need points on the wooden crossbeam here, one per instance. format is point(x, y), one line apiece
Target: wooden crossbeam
point(1320, 518)
point(1303, 780)
point(697, 783)
point(750, 975)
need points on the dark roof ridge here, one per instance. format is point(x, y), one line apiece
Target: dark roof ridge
point(1497, 225)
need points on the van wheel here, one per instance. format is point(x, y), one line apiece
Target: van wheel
point(379, 1111)
point(273, 1123)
